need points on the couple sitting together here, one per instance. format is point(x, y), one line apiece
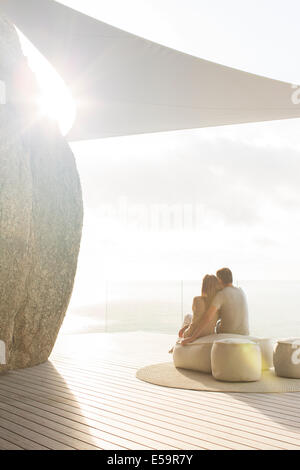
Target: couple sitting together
point(222, 308)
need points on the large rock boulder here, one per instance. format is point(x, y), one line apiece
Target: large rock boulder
point(40, 216)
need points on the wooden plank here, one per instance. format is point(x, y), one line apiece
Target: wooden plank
point(27, 430)
point(157, 444)
point(99, 403)
point(92, 412)
point(258, 442)
point(290, 434)
point(201, 395)
point(111, 441)
point(279, 436)
point(20, 440)
point(92, 423)
point(288, 408)
point(110, 396)
point(217, 405)
point(6, 445)
point(275, 400)
point(114, 433)
point(80, 441)
point(15, 398)
point(71, 418)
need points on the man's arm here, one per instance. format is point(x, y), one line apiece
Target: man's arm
point(207, 317)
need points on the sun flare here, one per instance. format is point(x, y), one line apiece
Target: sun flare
point(55, 100)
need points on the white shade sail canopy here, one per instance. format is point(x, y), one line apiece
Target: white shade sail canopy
point(123, 84)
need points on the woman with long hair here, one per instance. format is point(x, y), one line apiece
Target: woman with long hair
point(210, 287)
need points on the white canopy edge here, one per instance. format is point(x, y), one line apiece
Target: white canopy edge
point(123, 84)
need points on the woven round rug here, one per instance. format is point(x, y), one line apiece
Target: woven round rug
point(166, 375)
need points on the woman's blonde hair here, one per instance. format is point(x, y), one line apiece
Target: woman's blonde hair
point(210, 286)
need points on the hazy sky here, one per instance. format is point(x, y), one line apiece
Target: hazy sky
point(240, 183)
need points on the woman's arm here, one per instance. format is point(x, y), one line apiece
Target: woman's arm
point(206, 318)
point(198, 312)
point(204, 321)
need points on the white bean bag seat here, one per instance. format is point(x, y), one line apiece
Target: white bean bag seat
point(197, 355)
point(287, 358)
point(236, 360)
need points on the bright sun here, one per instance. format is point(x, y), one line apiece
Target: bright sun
point(56, 100)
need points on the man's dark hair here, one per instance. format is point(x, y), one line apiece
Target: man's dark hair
point(225, 275)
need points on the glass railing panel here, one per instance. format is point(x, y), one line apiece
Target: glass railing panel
point(274, 307)
point(144, 306)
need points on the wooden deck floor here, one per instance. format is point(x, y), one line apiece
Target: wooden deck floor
point(87, 397)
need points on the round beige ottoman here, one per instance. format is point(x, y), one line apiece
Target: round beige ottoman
point(197, 355)
point(193, 356)
point(287, 358)
point(236, 360)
